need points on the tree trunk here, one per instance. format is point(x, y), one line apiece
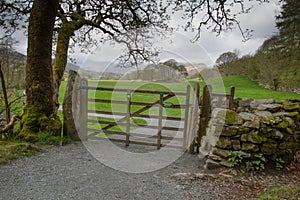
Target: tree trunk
point(69, 128)
point(7, 107)
point(60, 61)
point(38, 113)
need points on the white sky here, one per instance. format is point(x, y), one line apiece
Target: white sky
point(261, 19)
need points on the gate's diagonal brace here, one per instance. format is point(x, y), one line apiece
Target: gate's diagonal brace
point(139, 111)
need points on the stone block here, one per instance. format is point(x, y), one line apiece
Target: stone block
point(224, 143)
point(250, 147)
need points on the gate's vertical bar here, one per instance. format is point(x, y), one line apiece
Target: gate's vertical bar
point(128, 117)
point(160, 113)
point(231, 97)
point(83, 109)
point(186, 115)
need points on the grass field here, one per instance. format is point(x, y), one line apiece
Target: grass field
point(244, 88)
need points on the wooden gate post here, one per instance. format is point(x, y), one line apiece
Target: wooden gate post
point(128, 117)
point(83, 109)
point(186, 115)
point(205, 109)
point(160, 113)
point(194, 118)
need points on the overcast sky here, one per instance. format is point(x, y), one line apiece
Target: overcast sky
point(206, 50)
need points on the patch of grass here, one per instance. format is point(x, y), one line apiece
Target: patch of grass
point(11, 150)
point(280, 192)
point(47, 138)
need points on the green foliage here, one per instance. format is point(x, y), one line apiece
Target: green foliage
point(255, 163)
point(259, 162)
point(235, 158)
point(279, 163)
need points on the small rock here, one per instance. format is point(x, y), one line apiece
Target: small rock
point(263, 113)
point(247, 116)
point(249, 147)
point(269, 107)
point(254, 104)
point(245, 102)
point(210, 164)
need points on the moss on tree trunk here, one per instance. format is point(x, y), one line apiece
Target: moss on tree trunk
point(61, 57)
point(39, 110)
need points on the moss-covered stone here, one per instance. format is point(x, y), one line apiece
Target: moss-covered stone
point(291, 106)
point(221, 152)
point(276, 134)
point(255, 123)
point(215, 157)
point(244, 137)
point(236, 145)
point(224, 143)
point(250, 147)
point(269, 148)
point(270, 120)
point(230, 131)
point(283, 125)
point(293, 114)
point(229, 117)
point(225, 163)
point(253, 137)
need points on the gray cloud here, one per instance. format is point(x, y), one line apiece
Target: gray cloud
point(207, 49)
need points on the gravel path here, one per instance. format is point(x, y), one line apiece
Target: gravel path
point(70, 172)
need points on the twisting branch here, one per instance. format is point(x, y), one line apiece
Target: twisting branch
point(10, 125)
point(217, 16)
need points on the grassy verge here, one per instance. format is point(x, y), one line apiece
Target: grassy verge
point(280, 192)
point(12, 150)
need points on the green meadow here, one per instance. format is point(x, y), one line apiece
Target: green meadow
point(244, 88)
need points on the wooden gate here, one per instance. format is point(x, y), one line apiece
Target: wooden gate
point(171, 117)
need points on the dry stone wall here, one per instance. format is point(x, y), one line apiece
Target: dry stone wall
point(255, 127)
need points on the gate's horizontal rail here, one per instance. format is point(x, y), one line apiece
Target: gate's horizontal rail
point(137, 142)
point(106, 112)
point(135, 103)
point(97, 131)
point(134, 125)
point(136, 91)
point(134, 115)
point(157, 117)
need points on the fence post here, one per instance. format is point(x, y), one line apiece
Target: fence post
point(231, 97)
point(205, 109)
point(186, 115)
point(83, 109)
point(128, 117)
point(160, 113)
